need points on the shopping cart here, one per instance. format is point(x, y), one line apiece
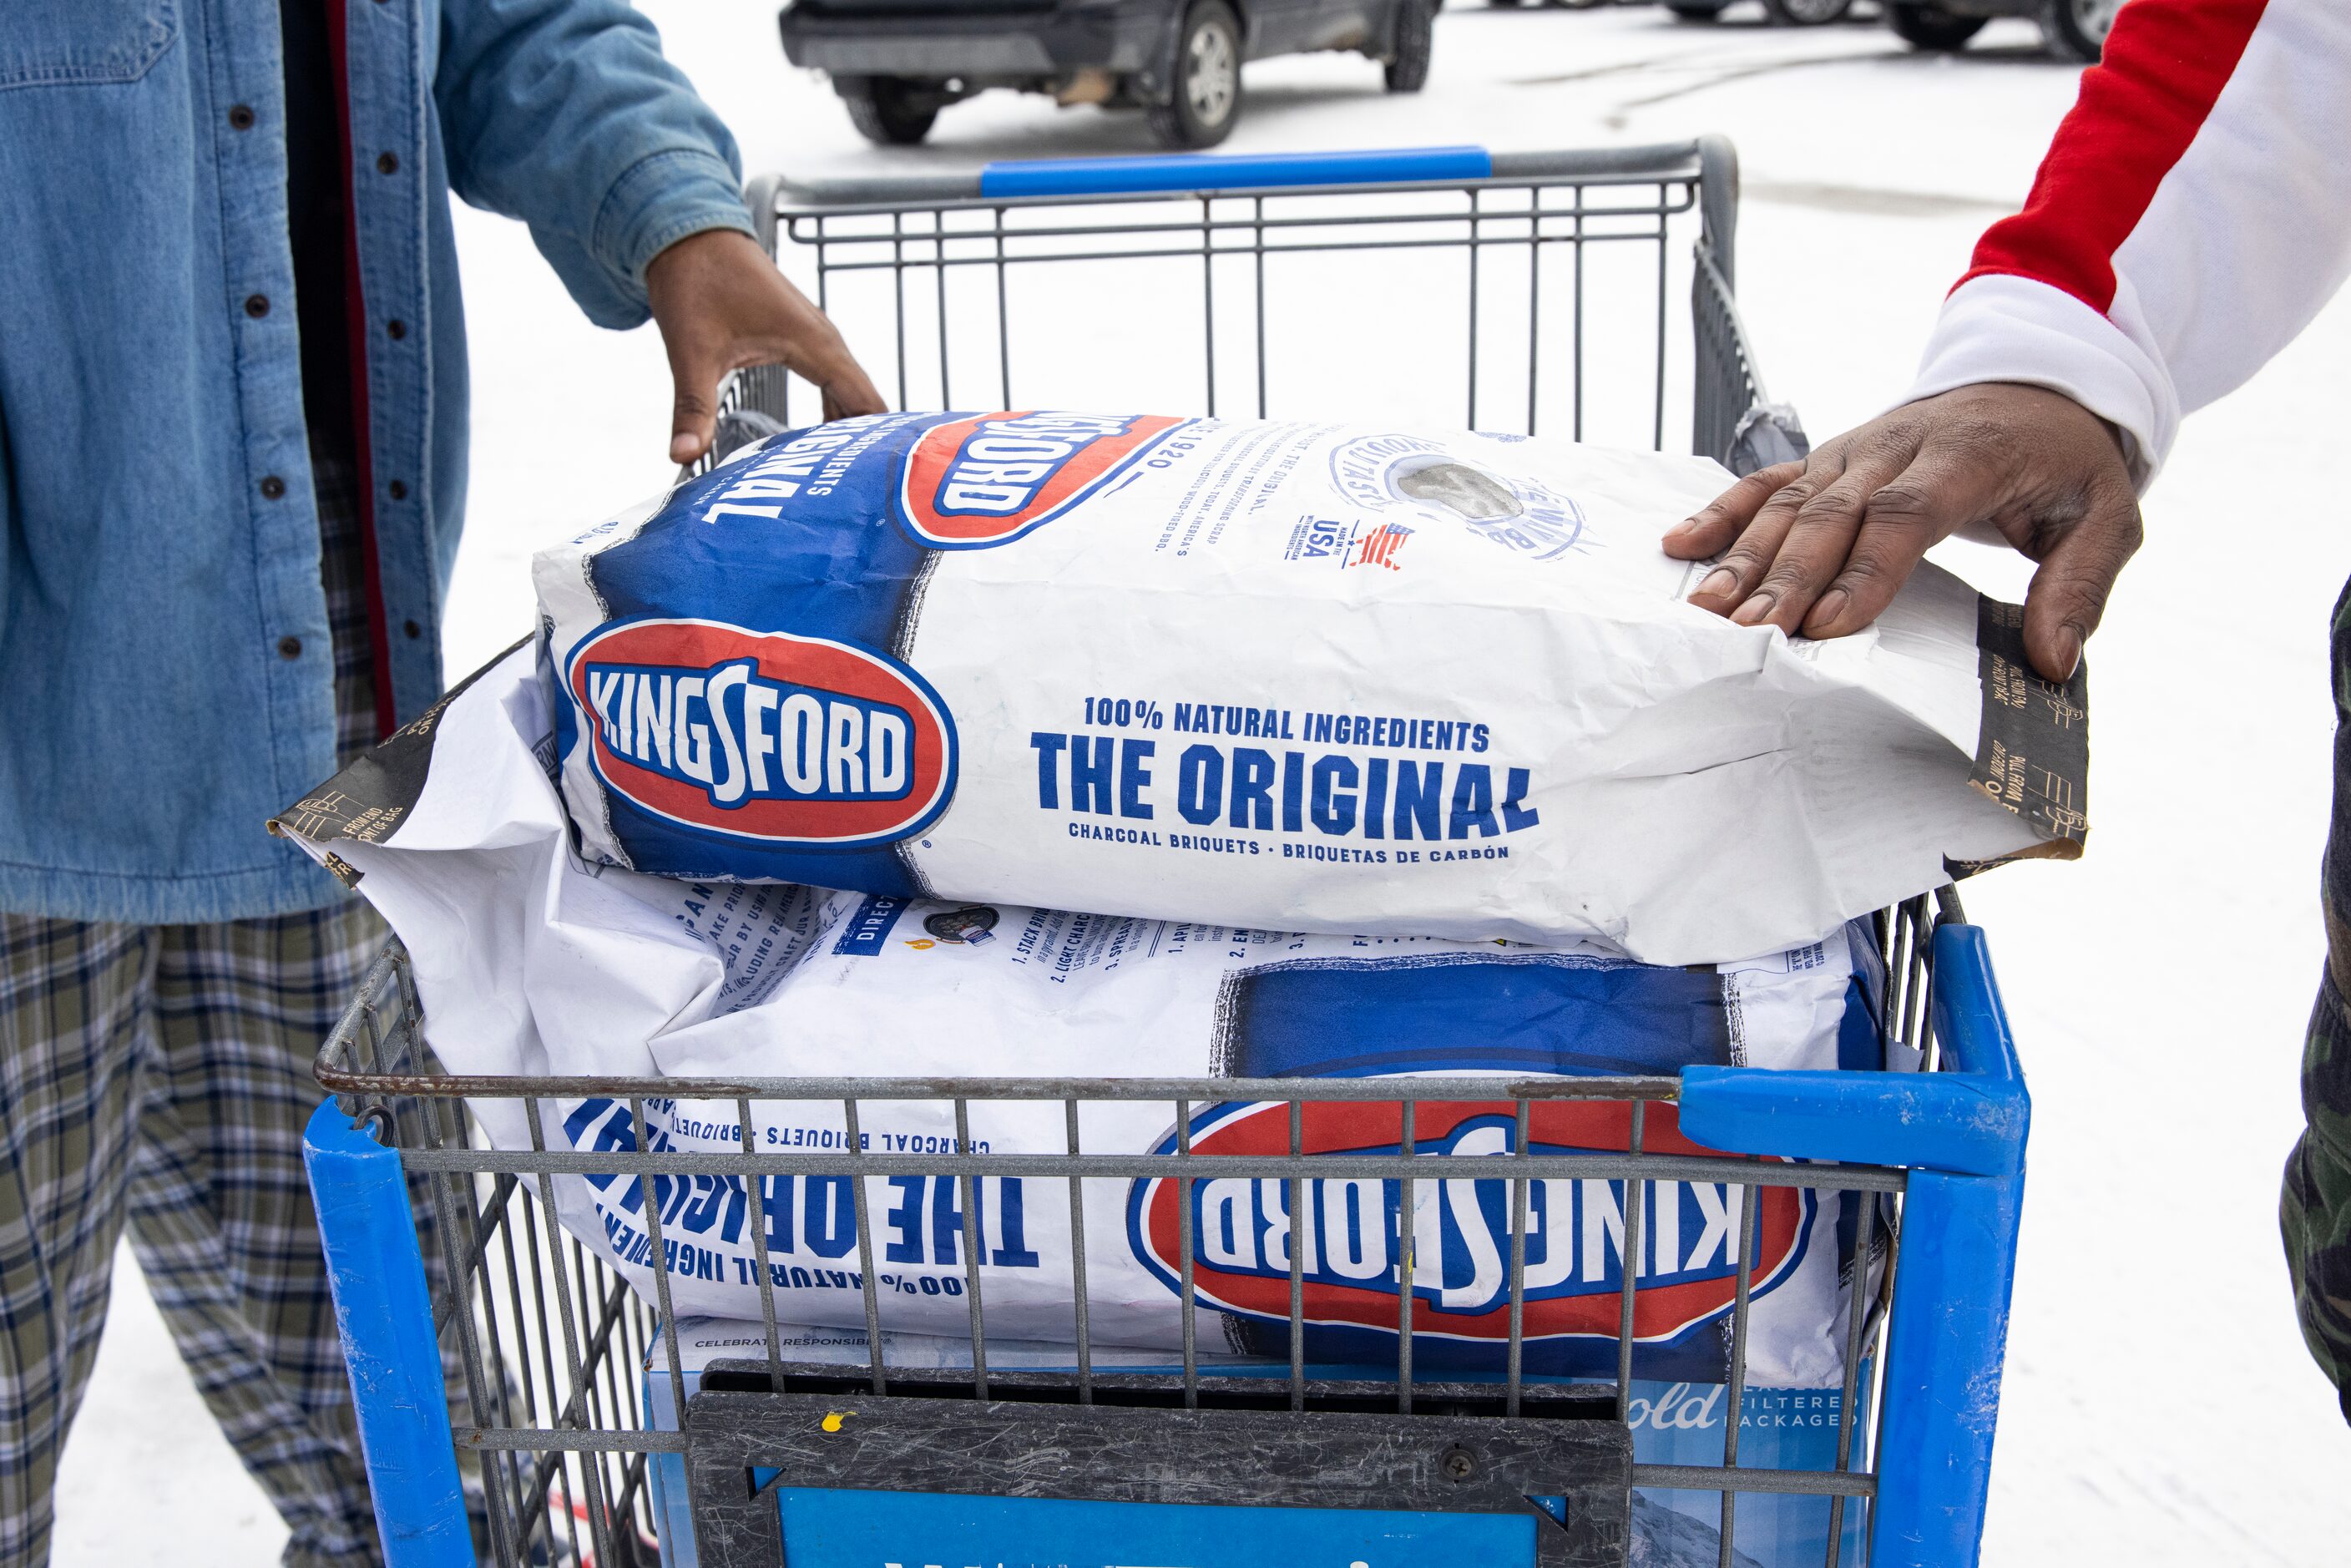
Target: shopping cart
point(519, 1401)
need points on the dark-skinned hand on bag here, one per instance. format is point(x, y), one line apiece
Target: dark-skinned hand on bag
point(1820, 547)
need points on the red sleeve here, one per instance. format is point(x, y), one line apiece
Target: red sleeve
point(2165, 63)
point(2191, 216)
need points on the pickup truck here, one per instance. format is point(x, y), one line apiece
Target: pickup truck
point(896, 63)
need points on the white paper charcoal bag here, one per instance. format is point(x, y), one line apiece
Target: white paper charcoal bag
point(531, 961)
point(1292, 676)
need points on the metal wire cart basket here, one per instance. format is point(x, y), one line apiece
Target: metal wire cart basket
point(520, 1403)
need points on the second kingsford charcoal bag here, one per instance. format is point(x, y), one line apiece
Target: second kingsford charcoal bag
point(1291, 675)
point(529, 961)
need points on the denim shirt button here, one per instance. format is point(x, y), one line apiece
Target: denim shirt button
point(240, 117)
point(256, 306)
point(396, 329)
point(289, 647)
point(387, 163)
point(412, 629)
point(272, 486)
point(398, 491)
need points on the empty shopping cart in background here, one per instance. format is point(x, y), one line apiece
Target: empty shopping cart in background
point(515, 1398)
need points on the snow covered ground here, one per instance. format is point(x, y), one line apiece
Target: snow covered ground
point(2160, 1409)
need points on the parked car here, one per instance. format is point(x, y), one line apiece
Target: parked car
point(896, 63)
point(1783, 13)
point(2070, 30)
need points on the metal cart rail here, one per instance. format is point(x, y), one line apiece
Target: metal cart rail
point(502, 1368)
point(1537, 300)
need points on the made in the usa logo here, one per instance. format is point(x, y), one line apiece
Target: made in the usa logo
point(1344, 544)
point(988, 479)
point(763, 735)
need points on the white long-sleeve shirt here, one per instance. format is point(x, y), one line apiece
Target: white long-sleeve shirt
point(2190, 217)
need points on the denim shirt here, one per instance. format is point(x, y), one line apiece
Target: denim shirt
point(165, 670)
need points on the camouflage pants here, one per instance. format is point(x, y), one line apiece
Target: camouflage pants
point(2315, 1211)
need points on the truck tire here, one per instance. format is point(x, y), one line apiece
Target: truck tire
point(1805, 12)
point(1415, 34)
point(1932, 27)
point(1696, 10)
point(1205, 88)
point(890, 111)
point(2076, 29)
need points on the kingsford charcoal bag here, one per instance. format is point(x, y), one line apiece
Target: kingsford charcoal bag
point(1286, 675)
point(531, 961)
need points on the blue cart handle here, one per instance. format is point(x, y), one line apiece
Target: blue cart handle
point(1707, 160)
point(1347, 166)
point(383, 1311)
point(1961, 1131)
point(1969, 1119)
point(1231, 171)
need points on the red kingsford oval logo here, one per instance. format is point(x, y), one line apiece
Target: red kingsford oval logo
point(989, 478)
point(1686, 1272)
point(763, 735)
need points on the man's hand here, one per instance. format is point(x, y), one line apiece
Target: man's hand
point(1821, 546)
point(722, 306)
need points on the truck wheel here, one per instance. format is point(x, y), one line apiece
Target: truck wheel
point(890, 111)
point(1805, 12)
point(1932, 27)
point(1206, 91)
point(1696, 10)
point(1415, 32)
point(2076, 29)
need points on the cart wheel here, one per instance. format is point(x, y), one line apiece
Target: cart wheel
point(2076, 29)
point(1207, 89)
point(1805, 12)
point(889, 111)
point(1932, 27)
point(1696, 10)
point(1415, 32)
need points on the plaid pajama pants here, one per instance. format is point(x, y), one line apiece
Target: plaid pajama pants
point(162, 1075)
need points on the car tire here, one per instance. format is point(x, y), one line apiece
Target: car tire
point(2076, 29)
point(890, 111)
point(1415, 35)
point(1805, 12)
point(1696, 10)
point(1205, 86)
point(1932, 27)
